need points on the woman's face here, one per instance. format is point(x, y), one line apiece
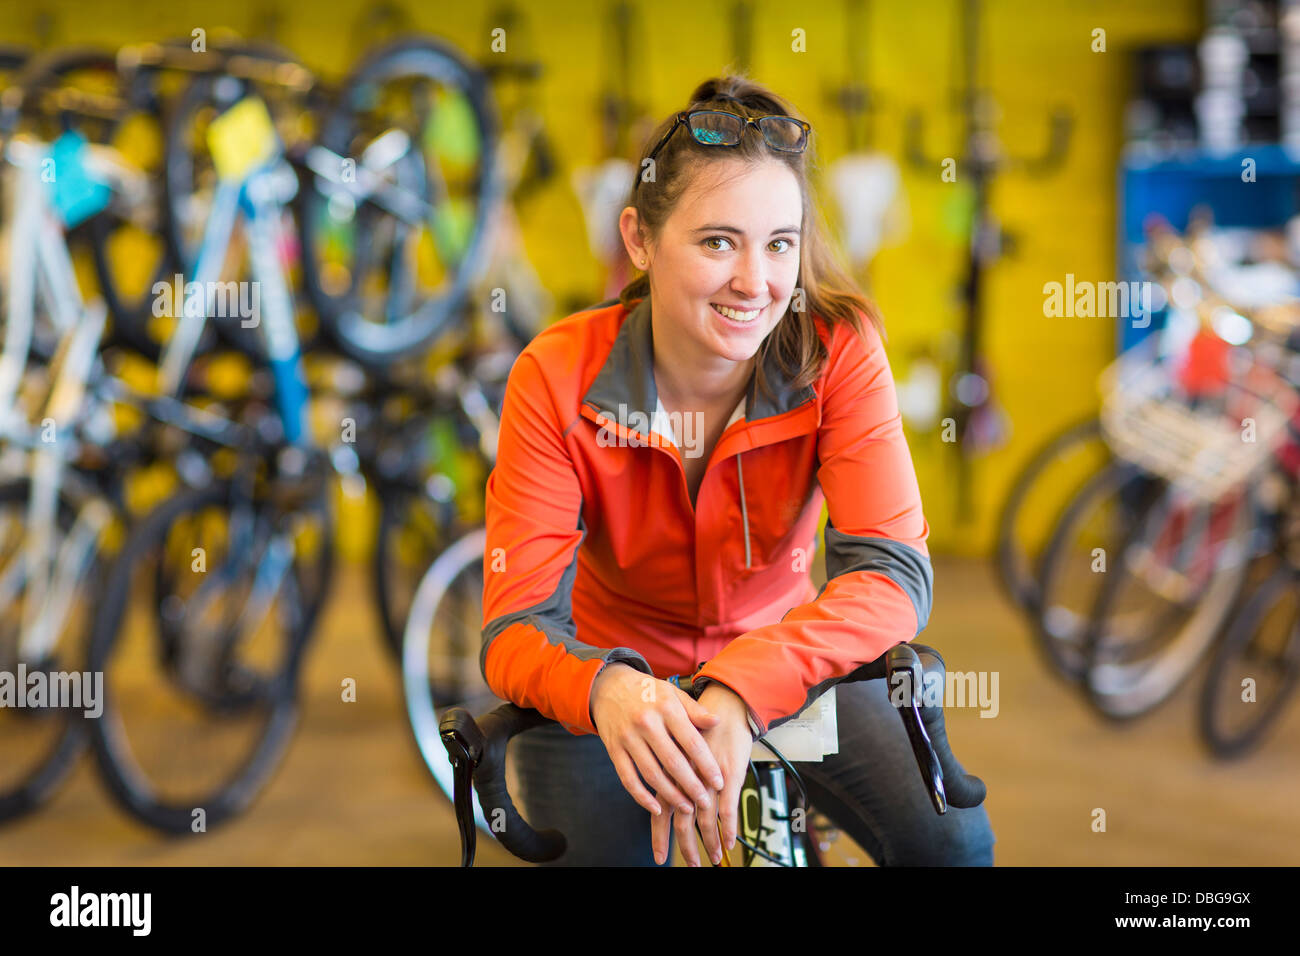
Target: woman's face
point(733, 241)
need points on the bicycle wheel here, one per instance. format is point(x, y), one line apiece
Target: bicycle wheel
point(413, 531)
point(430, 478)
point(40, 745)
point(1091, 526)
point(200, 689)
point(418, 117)
point(128, 239)
point(1255, 668)
point(440, 653)
point(1175, 579)
point(1043, 489)
point(81, 90)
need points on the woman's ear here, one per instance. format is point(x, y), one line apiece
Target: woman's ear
point(629, 225)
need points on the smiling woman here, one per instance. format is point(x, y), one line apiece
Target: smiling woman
point(633, 555)
point(728, 216)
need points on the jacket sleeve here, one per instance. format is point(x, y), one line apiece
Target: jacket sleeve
point(879, 579)
point(532, 655)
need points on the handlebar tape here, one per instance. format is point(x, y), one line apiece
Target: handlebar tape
point(962, 789)
point(490, 778)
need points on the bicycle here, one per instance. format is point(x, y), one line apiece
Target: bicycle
point(1188, 558)
point(476, 749)
point(1182, 516)
point(69, 459)
point(257, 506)
point(229, 636)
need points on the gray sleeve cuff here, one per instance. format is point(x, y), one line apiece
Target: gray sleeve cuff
point(625, 655)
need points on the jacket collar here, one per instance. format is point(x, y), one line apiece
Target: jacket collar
point(627, 377)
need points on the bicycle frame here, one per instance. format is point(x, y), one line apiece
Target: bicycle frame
point(259, 199)
point(39, 265)
point(769, 819)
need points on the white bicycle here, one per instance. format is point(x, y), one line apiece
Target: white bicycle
point(55, 514)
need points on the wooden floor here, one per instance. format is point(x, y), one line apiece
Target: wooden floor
point(352, 790)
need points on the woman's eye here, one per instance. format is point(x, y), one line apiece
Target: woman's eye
point(788, 244)
point(716, 239)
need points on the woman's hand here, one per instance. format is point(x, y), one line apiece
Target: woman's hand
point(651, 726)
point(731, 743)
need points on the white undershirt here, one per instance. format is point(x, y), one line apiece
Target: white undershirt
point(662, 423)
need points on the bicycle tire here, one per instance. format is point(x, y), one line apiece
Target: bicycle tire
point(1016, 568)
point(393, 610)
point(355, 332)
point(422, 707)
point(132, 313)
point(1124, 692)
point(1059, 630)
point(129, 312)
point(51, 771)
point(1214, 728)
point(126, 782)
point(421, 500)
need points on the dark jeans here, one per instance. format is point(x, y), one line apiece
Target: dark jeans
point(871, 790)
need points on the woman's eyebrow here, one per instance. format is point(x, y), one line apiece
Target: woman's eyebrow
point(721, 228)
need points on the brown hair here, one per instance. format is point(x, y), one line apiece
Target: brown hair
point(828, 289)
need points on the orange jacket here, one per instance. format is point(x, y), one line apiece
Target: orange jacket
point(595, 554)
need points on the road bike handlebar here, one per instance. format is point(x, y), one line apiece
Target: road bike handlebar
point(477, 750)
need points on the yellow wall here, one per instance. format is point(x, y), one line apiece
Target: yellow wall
point(1039, 55)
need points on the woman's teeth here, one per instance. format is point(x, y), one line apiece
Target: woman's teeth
point(736, 316)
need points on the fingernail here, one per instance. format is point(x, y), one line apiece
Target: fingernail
point(657, 810)
point(717, 858)
point(731, 842)
point(684, 808)
point(717, 783)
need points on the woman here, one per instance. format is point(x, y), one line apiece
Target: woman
point(660, 475)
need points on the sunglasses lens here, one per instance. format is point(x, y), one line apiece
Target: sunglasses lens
point(782, 133)
point(716, 129)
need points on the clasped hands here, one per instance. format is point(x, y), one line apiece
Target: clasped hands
point(693, 754)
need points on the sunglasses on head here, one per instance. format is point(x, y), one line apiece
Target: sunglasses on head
point(721, 128)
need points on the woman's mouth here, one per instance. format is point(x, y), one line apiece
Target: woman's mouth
point(736, 316)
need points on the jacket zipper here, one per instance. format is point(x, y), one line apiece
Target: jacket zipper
point(744, 510)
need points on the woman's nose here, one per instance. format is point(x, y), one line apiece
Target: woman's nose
point(750, 278)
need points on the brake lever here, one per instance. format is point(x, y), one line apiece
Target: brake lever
point(903, 664)
point(464, 742)
point(462, 771)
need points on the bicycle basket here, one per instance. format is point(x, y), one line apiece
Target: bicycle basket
point(1205, 441)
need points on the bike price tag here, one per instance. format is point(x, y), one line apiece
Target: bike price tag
point(810, 736)
point(242, 138)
